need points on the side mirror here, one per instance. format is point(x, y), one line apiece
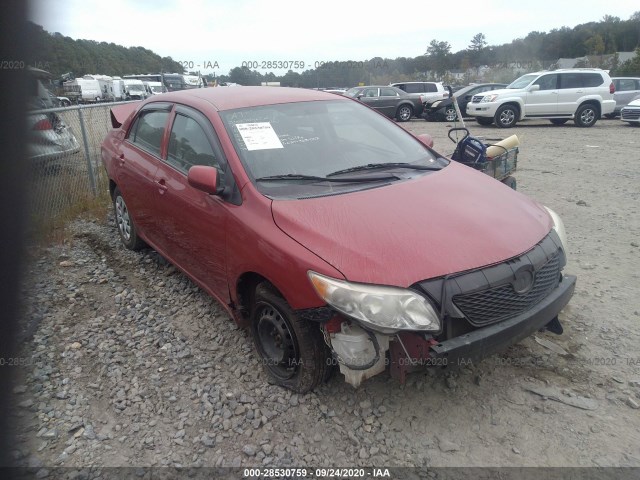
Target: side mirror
point(426, 139)
point(204, 178)
point(534, 88)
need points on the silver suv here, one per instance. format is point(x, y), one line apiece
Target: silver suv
point(583, 95)
point(430, 91)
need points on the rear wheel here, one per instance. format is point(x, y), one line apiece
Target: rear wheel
point(292, 351)
point(506, 116)
point(404, 113)
point(450, 114)
point(559, 121)
point(126, 228)
point(484, 120)
point(586, 116)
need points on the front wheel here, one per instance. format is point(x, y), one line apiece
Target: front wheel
point(506, 116)
point(126, 228)
point(484, 120)
point(292, 350)
point(404, 113)
point(586, 116)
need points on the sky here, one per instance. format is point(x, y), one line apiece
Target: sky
point(216, 35)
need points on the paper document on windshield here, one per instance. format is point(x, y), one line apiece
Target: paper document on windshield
point(259, 136)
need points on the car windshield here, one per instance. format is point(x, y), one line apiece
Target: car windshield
point(318, 148)
point(156, 88)
point(523, 81)
point(136, 88)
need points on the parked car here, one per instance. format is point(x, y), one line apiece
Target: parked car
point(430, 91)
point(50, 138)
point(583, 95)
point(332, 233)
point(627, 90)
point(391, 101)
point(444, 110)
point(631, 113)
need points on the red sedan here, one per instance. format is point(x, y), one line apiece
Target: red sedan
point(332, 233)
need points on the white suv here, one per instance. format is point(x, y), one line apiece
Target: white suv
point(583, 95)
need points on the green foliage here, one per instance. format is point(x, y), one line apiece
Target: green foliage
point(630, 68)
point(59, 54)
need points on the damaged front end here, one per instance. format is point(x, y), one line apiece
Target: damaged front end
point(453, 320)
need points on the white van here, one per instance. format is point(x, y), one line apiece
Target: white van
point(86, 90)
point(118, 89)
point(154, 88)
point(134, 90)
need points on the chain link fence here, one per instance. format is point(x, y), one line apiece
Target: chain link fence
point(65, 172)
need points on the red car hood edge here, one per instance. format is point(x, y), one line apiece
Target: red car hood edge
point(445, 222)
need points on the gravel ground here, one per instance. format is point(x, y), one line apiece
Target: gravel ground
point(125, 362)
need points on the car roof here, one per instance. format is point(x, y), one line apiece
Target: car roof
point(226, 98)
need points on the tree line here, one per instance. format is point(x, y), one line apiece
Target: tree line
point(538, 50)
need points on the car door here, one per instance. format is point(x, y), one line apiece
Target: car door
point(138, 162)
point(370, 96)
point(543, 102)
point(572, 88)
point(193, 223)
point(388, 101)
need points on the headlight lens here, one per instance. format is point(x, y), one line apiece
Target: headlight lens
point(489, 98)
point(558, 226)
point(386, 309)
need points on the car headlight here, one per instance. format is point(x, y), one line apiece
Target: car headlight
point(382, 308)
point(558, 226)
point(489, 98)
point(436, 103)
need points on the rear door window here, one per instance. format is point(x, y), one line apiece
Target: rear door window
point(388, 92)
point(414, 88)
point(148, 129)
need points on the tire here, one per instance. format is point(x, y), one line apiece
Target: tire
point(586, 116)
point(292, 351)
point(610, 115)
point(506, 116)
point(65, 103)
point(484, 120)
point(404, 113)
point(510, 182)
point(559, 121)
point(450, 114)
point(126, 228)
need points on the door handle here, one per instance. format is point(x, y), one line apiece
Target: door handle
point(162, 186)
point(121, 159)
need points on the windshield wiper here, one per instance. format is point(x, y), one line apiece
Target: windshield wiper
point(374, 166)
point(295, 176)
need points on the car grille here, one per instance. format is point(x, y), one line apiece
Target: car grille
point(477, 98)
point(495, 304)
point(630, 114)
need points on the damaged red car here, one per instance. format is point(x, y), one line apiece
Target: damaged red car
point(332, 233)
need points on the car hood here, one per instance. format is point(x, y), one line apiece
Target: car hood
point(500, 91)
point(634, 103)
point(445, 222)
